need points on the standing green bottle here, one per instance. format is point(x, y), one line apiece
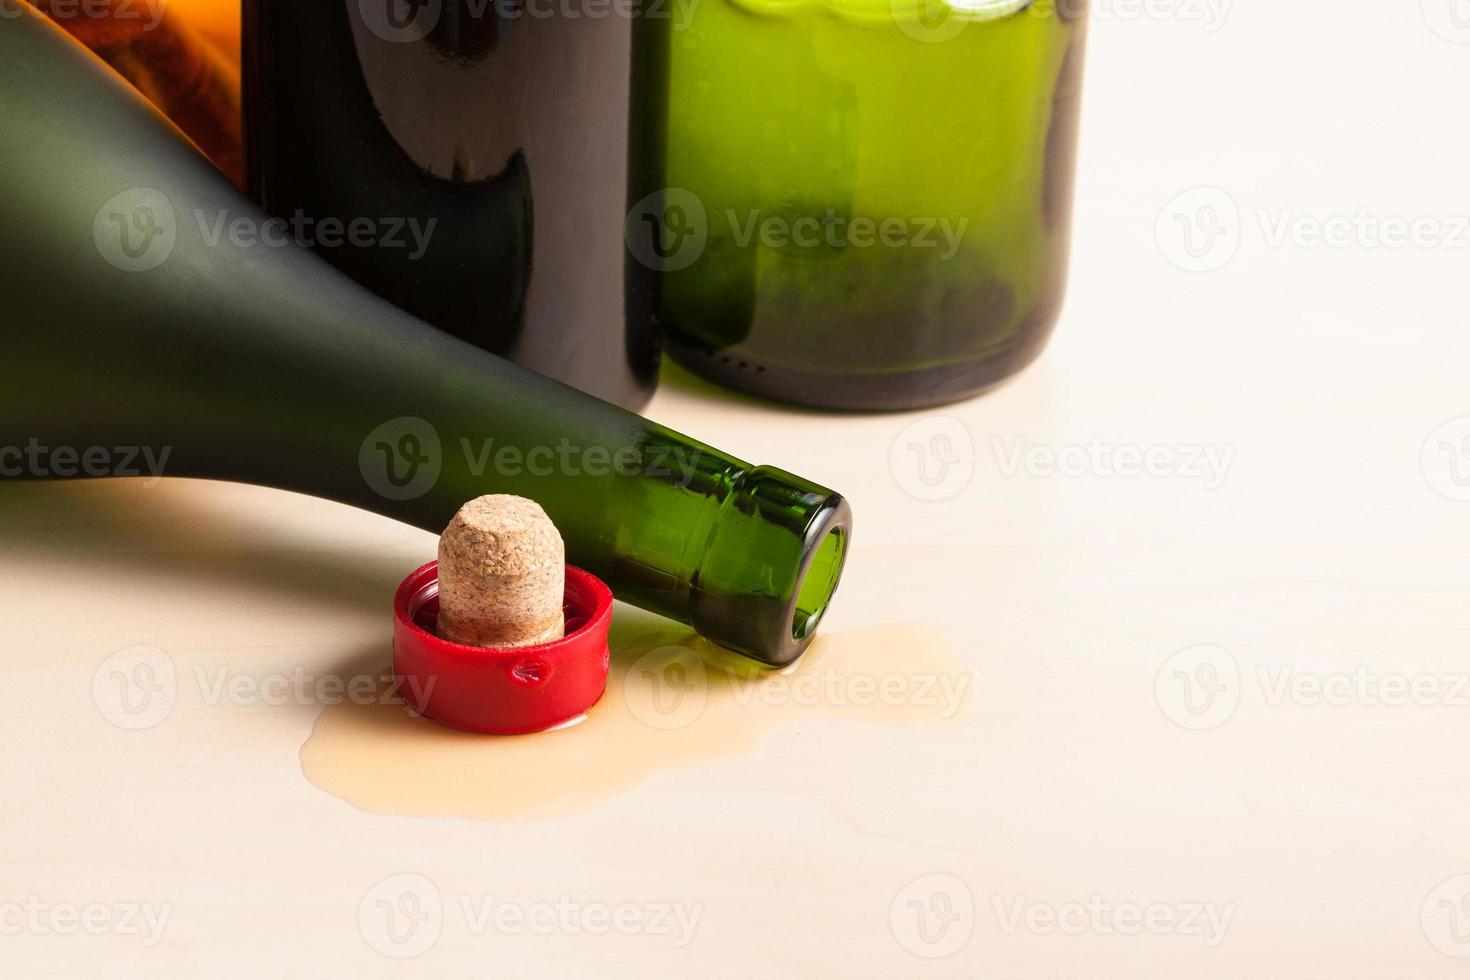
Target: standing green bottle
point(862, 204)
point(153, 313)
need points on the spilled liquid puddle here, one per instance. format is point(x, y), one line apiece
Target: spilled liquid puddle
point(673, 701)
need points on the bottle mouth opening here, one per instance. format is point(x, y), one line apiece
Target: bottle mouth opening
point(772, 566)
point(819, 583)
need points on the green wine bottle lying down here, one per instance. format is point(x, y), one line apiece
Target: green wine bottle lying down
point(149, 305)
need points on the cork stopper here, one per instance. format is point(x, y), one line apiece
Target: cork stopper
point(502, 575)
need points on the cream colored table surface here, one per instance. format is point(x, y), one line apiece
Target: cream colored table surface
point(1220, 715)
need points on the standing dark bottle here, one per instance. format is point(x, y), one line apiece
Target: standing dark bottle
point(468, 161)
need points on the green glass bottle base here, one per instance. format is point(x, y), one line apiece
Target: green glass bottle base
point(762, 221)
point(898, 391)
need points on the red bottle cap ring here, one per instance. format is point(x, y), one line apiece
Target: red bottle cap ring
point(501, 692)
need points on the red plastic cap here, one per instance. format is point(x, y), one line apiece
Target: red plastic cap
point(501, 692)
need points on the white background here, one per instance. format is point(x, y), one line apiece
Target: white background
point(1088, 772)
